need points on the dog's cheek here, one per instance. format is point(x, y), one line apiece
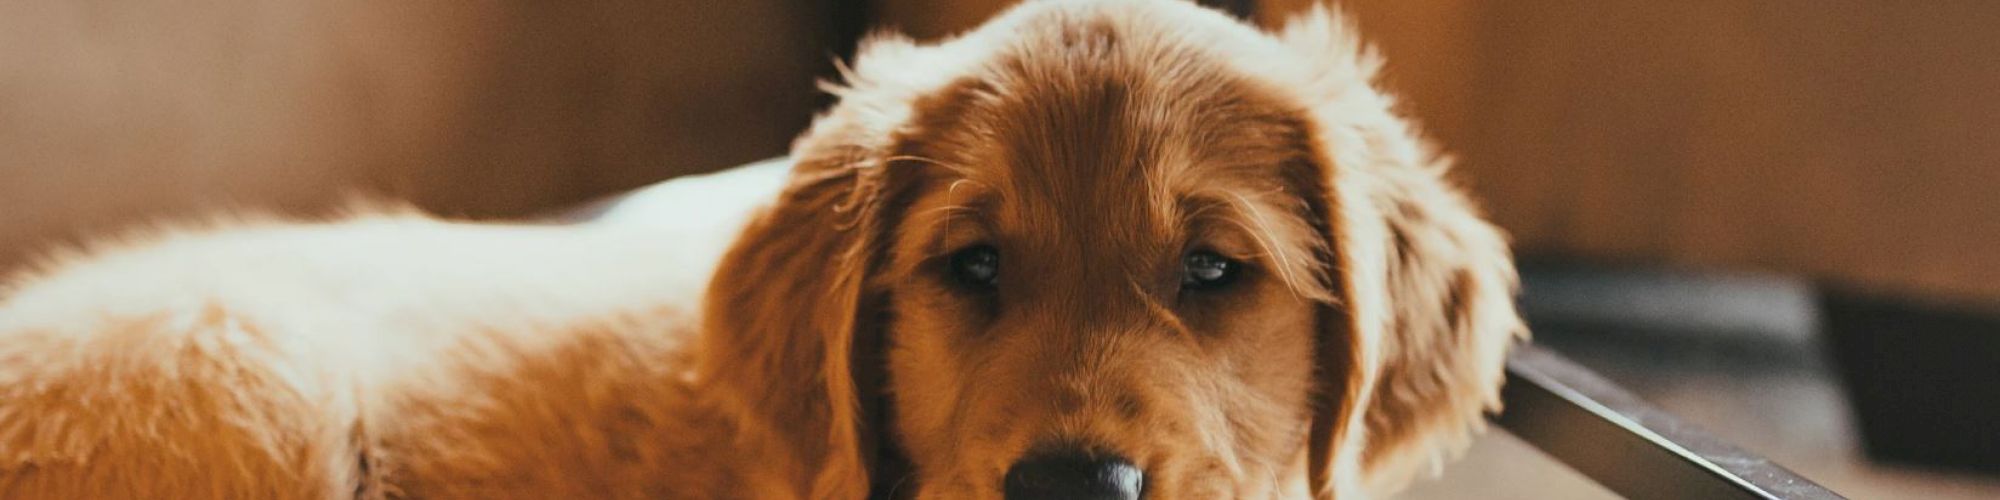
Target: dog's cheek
point(925, 383)
point(1271, 356)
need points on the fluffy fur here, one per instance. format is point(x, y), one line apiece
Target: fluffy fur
point(826, 353)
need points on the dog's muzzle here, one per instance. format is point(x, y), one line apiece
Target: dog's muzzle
point(1073, 475)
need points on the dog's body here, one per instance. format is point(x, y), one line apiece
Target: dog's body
point(389, 355)
point(1243, 278)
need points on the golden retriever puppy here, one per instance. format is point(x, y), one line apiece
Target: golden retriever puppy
point(1091, 250)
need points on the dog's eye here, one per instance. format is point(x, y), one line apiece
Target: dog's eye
point(1206, 270)
point(977, 267)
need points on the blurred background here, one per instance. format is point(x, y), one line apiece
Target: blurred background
point(1773, 218)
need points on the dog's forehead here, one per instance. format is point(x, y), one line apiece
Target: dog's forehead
point(1107, 128)
point(1102, 130)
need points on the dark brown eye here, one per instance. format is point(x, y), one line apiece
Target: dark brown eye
point(1205, 270)
point(977, 267)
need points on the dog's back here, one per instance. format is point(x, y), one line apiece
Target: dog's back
point(269, 360)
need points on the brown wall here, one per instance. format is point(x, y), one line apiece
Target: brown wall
point(112, 112)
point(1845, 139)
point(1851, 141)
point(1848, 140)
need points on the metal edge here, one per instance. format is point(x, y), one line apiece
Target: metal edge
point(1627, 445)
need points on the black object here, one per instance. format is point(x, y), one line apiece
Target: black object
point(1242, 9)
point(1629, 446)
point(1924, 379)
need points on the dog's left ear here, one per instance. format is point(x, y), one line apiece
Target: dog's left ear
point(1413, 352)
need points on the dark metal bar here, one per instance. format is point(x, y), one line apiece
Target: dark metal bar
point(1627, 445)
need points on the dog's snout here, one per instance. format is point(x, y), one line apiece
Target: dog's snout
point(1073, 476)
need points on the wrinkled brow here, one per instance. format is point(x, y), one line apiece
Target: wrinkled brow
point(954, 215)
point(1273, 222)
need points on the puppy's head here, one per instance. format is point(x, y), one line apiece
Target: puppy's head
point(1103, 250)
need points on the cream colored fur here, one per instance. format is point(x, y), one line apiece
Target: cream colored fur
point(270, 360)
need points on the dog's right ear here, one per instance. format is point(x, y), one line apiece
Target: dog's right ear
point(781, 318)
point(791, 349)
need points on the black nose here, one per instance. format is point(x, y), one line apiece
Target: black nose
point(1073, 476)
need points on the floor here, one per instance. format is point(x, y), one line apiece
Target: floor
point(1737, 355)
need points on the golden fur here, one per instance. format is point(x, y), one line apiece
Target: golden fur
point(1092, 143)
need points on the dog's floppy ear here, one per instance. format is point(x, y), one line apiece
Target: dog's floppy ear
point(792, 345)
point(784, 317)
point(1418, 342)
point(1412, 354)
